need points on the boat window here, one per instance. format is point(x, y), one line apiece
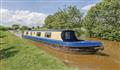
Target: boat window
point(48, 34)
point(26, 33)
point(38, 33)
point(67, 35)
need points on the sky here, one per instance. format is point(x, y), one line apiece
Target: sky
point(34, 12)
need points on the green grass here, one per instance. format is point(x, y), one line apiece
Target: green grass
point(18, 54)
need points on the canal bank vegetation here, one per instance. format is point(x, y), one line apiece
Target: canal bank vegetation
point(18, 54)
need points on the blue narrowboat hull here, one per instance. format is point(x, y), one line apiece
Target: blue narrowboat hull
point(76, 44)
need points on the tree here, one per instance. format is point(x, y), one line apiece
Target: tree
point(15, 26)
point(67, 18)
point(49, 21)
point(24, 28)
point(38, 27)
point(33, 27)
point(103, 20)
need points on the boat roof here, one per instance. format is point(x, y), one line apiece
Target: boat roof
point(48, 30)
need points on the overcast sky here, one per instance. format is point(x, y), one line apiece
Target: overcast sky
point(33, 12)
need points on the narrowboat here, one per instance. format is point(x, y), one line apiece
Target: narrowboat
point(63, 39)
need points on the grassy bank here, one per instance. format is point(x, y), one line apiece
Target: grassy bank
point(18, 54)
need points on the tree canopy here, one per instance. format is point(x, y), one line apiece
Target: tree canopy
point(103, 20)
point(15, 26)
point(24, 28)
point(67, 18)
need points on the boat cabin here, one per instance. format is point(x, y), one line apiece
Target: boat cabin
point(65, 35)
